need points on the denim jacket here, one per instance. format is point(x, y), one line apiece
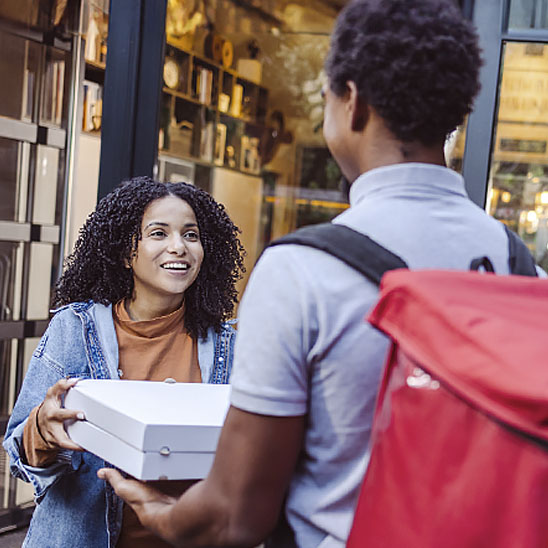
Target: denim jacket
point(74, 507)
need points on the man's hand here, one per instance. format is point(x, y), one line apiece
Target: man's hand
point(238, 504)
point(51, 416)
point(151, 506)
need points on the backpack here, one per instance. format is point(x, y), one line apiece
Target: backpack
point(459, 443)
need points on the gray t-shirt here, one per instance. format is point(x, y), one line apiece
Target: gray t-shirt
point(303, 346)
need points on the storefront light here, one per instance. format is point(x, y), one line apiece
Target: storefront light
point(531, 216)
point(505, 197)
point(544, 198)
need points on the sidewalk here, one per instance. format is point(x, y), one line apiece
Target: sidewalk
point(13, 539)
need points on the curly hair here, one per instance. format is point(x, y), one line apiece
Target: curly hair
point(416, 62)
point(96, 270)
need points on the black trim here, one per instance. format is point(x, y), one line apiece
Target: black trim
point(35, 328)
point(479, 133)
point(15, 518)
point(35, 233)
point(467, 7)
point(23, 31)
point(133, 80)
point(20, 329)
point(12, 330)
point(35, 34)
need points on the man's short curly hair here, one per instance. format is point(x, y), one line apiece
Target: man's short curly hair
point(416, 62)
point(96, 270)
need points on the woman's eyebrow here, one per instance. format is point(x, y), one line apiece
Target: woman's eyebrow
point(160, 223)
point(157, 223)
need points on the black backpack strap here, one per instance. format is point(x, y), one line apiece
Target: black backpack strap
point(354, 248)
point(520, 260)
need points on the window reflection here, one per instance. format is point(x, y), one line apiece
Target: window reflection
point(18, 73)
point(454, 147)
point(528, 14)
point(518, 194)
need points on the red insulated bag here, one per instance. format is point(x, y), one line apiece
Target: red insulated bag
point(459, 448)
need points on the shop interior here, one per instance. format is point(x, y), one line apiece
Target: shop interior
point(240, 113)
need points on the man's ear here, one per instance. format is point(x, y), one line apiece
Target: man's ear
point(359, 109)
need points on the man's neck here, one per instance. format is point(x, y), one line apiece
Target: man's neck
point(378, 148)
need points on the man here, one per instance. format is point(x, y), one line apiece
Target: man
point(402, 75)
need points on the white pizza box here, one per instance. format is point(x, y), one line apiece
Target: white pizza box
point(151, 430)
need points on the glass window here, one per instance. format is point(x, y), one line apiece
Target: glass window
point(40, 280)
point(8, 357)
point(528, 14)
point(241, 113)
point(454, 148)
point(518, 181)
point(10, 280)
point(45, 185)
point(53, 110)
point(9, 179)
point(18, 69)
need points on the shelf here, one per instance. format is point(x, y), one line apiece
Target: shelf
point(96, 64)
point(211, 106)
point(244, 119)
point(95, 72)
point(242, 132)
point(212, 63)
point(166, 154)
point(265, 15)
point(186, 97)
point(96, 134)
point(36, 34)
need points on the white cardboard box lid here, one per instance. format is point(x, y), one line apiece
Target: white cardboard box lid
point(141, 465)
point(154, 415)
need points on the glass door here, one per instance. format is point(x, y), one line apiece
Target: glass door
point(518, 179)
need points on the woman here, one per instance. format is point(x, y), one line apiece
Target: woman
point(145, 295)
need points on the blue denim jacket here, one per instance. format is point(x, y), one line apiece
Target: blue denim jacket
point(73, 504)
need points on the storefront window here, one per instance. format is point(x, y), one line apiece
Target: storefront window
point(241, 113)
point(518, 193)
point(36, 41)
point(528, 14)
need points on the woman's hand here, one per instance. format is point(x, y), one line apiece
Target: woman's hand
point(51, 416)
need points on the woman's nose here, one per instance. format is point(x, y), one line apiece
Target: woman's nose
point(177, 245)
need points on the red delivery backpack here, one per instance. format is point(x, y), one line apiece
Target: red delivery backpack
point(459, 448)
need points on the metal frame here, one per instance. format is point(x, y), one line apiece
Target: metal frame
point(467, 7)
point(133, 80)
point(479, 135)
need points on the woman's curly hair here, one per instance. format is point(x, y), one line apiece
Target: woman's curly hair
point(416, 62)
point(96, 270)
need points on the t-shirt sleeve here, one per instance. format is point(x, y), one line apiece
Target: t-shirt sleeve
point(270, 360)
